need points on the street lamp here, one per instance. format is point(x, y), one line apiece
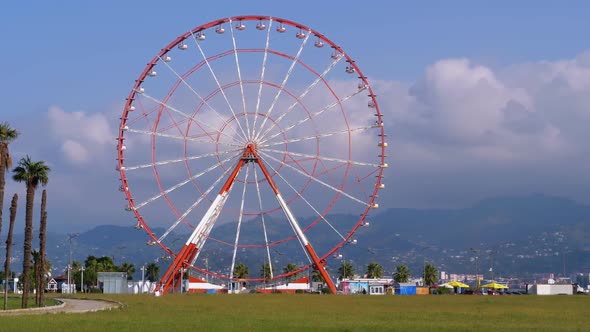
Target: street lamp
point(476, 251)
point(142, 277)
point(71, 236)
point(82, 280)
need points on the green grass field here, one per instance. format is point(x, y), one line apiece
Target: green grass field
point(15, 303)
point(274, 312)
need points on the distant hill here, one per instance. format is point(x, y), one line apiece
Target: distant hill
point(517, 235)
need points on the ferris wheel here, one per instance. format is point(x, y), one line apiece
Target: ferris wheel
point(251, 141)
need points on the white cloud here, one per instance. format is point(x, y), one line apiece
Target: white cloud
point(82, 135)
point(75, 152)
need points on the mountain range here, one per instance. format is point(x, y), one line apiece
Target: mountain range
point(507, 236)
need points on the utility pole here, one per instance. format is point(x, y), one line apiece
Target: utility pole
point(82, 280)
point(142, 277)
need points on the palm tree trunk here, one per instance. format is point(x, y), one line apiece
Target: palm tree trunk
point(9, 246)
point(28, 244)
point(3, 151)
point(42, 243)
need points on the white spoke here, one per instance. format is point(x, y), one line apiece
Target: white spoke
point(195, 204)
point(315, 179)
point(307, 138)
point(305, 200)
point(262, 218)
point(293, 63)
point(344, 161)
point(156, 100)
point(300, 122)
point(241, 216)
point(233, 39)
point(180, 184)
point(220, 88)
point(262, 75)
point(183, 138)
point(302, 95)
point(195, 92)
point(172, 161)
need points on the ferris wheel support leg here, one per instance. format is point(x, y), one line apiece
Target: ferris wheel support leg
point(189, 251)
point(317, 263)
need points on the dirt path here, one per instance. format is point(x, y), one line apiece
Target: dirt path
point(68, 306)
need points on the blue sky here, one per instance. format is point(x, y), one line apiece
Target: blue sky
point(73, 56)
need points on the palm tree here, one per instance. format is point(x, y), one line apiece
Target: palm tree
point(9, 246)
point(374, 270)
point(402, 274)
point(32, 173)
point(266, 272)
point(7, 135)
point(241, 271)
point(290, 268)
point(152, 272)
point(346, 270)
point(37, 272)
point(317, 276)
point(127, 268)
point(42, 244)
point(430, 275)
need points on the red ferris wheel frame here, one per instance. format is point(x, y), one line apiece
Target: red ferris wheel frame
point(182, 257)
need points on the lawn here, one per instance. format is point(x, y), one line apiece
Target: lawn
point(15, 303)
point(274, 312)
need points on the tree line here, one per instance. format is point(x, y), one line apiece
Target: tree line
point(345, 271)
point(32, 174)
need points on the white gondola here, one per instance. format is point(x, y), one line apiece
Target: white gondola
point(123, 148)
point(152, 73)
point(337, 256)
point(349, 69)
point(121, 188)
point(378, 124)
point(119, 168)
point(371, 104)
point(281, 28)
point(140, 90)
point(318, 44)
point(240, 26)
point(151, 243)
point(375, 206)
point(201, 36)
point(128, 208)
point(362, 86)
point(167, 58)
point(219, 29)
point(260, 26)
point(365, 223)
point(124, 128)
point(182, 46)
point(385, 165)
point(138, 226)
point(131, 108)
point(381, 186)
point(352, 241)
point(335, 55)
point(382, 144)
point(300, 34)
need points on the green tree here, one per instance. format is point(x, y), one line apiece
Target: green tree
point(152, 272)
point(374, 270)
point(32, 173)
point(129, 269)
point(290, 268)
point(7, 135)
point(346, 270)
point(430, 275)
point(42, 255)
point(7, 273)
point(402, 274)
point(241, 271)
